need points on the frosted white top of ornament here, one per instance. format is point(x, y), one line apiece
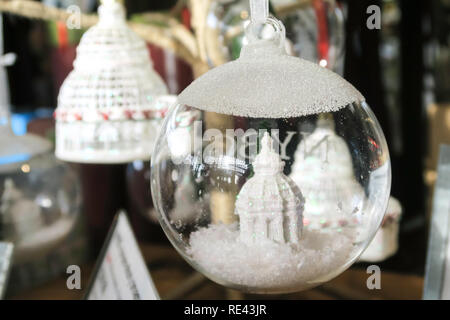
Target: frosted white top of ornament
point(15, 150)
point(267, 83)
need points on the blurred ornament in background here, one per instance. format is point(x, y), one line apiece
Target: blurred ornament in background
point(323, 160)
point(40, 201)
point(39, 196)
point(235, 107)
point(40, 205)
point(108, 105)
point(385, 243)
point(314, 30)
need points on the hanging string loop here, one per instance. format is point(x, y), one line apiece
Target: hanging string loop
point(263, 26)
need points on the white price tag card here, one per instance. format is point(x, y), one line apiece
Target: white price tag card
point(121, 272)
point(6, 250)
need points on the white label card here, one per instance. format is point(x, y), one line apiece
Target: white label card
point(122, 273)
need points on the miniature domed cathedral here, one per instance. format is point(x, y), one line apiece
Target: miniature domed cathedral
point(270, 205)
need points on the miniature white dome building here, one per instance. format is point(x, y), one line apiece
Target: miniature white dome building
point(108, 109)
point(270, 205)
point(23, 214)
point(323, 170)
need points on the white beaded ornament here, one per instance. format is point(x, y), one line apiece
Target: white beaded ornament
point(108, 107)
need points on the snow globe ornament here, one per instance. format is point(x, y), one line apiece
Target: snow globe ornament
point(108, 110)
point(40, 197)
point(315, 30)
point(250, 229)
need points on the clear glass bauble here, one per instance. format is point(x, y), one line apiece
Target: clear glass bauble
point(271, 174)
point(339, 161)
point(40, 200)
point(315, 30)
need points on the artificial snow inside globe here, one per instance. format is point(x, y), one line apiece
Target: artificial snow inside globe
point(284, 162)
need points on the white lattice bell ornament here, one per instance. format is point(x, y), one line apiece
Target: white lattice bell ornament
point(111, 105)
point(249, 115)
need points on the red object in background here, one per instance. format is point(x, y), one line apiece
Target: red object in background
point(176, 73)
point(186, 18)
point(41, 126)
point(322, 26)
point(62, 34)
point(103, 195)
point(62, 56)
point(61, 64)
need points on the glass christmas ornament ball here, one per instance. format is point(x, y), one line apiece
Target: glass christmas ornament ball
point(271, 174)
point(40, 197)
